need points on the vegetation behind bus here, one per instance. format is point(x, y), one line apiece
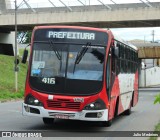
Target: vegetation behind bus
point(157, 99)
point(7, 89)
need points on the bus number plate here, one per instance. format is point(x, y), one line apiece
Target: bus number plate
point(61, 116)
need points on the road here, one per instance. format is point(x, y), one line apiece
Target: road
point(145, 115)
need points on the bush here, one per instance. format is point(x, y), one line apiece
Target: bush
point(157, 99)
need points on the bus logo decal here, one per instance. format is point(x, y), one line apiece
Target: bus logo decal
point(50, 97)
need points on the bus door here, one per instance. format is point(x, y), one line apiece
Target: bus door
point(109, 82)
point(108, 76)
point(111, 72)
point(111, 75)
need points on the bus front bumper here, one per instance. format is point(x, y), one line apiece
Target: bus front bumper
point(86, 115)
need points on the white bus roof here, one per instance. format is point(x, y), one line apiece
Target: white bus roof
point(116, 37)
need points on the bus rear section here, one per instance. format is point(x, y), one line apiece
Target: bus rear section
point(122, 76)
point(70, 75)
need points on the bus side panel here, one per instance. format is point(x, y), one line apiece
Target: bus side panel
point(120, 107)
point(114, 96)
point(112, 107)
point(115, 102)
point(135, 94)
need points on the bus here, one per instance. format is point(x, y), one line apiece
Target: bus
point(80, 73)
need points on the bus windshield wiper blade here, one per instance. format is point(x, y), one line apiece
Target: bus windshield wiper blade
point(55, 51)
point(80, 55)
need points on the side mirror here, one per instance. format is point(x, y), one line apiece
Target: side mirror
point(24, 57)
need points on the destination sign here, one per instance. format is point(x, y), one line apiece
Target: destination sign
point(72, 35)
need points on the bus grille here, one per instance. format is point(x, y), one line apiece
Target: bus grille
point(63, 103)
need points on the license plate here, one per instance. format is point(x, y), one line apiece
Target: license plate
point(60, 116)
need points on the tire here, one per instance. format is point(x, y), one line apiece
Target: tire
point(48, 121)
point(116, 109)
point(128, 111)
point(132, 102)
point(107, 123)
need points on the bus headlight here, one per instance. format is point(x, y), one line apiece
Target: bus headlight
point(97, 105)
point(32, 101)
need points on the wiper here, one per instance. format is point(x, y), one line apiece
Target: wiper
point(81, 54)
point(55, 51)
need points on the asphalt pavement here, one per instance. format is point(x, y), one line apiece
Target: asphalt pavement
point(145, 115)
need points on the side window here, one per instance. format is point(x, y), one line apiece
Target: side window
point(127, 59)
point(120, 50)
point(129, 66)
point(124, 52)
point(132, 67)
point(126, 65)
point(117, 66)
point(122, 66)
point(130, 54)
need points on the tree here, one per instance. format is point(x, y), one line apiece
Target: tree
point(24, 37)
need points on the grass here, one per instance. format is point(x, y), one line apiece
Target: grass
point(157, 128)
point(7, 78)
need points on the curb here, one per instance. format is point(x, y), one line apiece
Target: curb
point(149, 89)
point(11, 100)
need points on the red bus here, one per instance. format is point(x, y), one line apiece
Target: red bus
point(80, 73)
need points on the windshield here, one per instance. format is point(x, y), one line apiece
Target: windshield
point(67, 68)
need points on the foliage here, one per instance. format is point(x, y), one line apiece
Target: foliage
point(7, 78)
point(24, 37)
point(157, 129)
point(157, 99)
point(28, 40)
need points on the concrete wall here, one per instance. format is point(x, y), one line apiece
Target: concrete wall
point(142, 78)
point(82, 16)
point(153, 76)
point(150, 77)
point(2, 5)
point(8, 38)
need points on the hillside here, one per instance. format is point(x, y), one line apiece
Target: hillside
point(7, 77)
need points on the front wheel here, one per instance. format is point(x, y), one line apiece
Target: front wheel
point(48, 121)
point(107, 123)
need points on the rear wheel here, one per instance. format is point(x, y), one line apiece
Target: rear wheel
point(48, 121)
point(116, 109)
point(128, 111)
